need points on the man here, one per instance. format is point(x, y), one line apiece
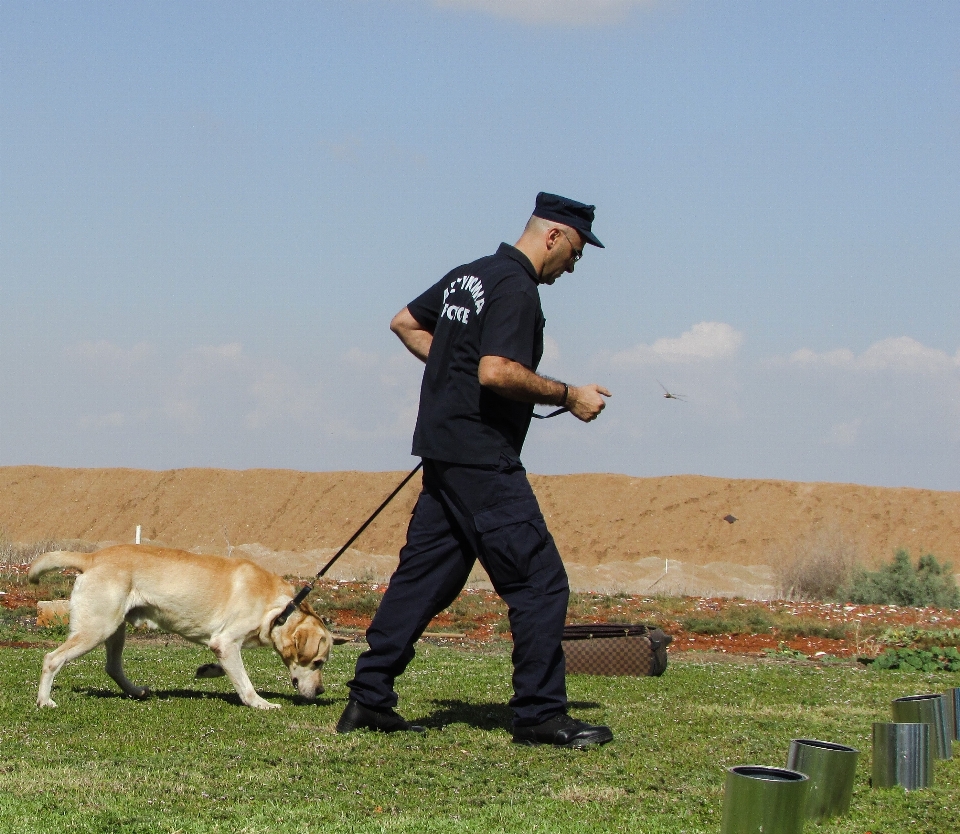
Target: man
point(480, 333)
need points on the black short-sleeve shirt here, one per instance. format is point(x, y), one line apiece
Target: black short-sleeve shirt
point(490, 307)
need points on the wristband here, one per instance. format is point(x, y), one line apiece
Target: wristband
point(566, 393)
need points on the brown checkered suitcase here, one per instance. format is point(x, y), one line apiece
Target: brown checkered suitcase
point(615, 649)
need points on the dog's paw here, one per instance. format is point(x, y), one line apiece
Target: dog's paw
point(210, 670)
point(46, 702)
point(261, 704)
point(141, 693)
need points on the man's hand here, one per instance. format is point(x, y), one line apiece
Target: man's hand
point(414, 336)
point(517, 382)
point(586, 401)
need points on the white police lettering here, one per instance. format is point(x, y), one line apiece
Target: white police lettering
point(453, 313)
point(465, 283)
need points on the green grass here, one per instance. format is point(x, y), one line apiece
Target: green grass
point(192, 760)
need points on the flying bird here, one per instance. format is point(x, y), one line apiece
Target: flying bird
point(668, 395)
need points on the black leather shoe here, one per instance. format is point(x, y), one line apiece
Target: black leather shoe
point(358, 717)
point(563, 731)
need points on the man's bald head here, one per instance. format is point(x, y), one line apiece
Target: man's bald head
point(540, 226)
point(552, 247)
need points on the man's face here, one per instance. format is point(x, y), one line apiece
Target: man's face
point(561, 257)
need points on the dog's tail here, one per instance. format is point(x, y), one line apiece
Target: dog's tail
point(57, 560)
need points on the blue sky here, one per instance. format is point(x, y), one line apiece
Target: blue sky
point(209, 212)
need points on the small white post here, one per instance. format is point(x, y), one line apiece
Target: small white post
point(138, 534)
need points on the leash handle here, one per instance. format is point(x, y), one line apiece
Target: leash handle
point(551, 414)
point(304, 592)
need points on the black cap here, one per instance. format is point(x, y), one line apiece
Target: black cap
point(576, 215)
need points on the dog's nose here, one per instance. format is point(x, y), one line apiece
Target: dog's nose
point(296, 683)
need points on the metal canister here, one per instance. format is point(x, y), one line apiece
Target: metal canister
point(831, 768)
point(927, 709)
point(902, 755)
point(764, 800)
point(952, 697)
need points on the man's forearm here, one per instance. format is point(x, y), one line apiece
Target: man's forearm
point(516, 382)
point(414, 336)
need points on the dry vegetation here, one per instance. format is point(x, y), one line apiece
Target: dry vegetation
point(15, 555)
point(818, 567)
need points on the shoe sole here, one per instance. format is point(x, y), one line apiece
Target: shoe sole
point(413, 728)
point(570, 745)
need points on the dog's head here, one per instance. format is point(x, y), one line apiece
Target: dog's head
point(304, 643)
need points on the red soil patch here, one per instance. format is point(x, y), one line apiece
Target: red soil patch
point(859, 624)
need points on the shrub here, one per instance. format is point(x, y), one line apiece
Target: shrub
point(818, 567)
point(900, 583)
point(15, 556)
point(911, 637)
point(746, 619)
point(936, 659)
point(807, 627)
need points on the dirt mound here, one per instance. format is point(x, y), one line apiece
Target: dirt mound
point(615, 532)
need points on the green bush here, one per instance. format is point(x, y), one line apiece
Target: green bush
point(746, 619)
point(808, 627)
point(912, 637)
point(900, 583)
point(937, 659)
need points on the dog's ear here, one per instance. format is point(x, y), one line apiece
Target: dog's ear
point(307, 640)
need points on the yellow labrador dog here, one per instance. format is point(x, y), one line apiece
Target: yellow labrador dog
point(226, 604)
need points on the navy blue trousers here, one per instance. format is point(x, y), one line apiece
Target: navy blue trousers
point(465, 513)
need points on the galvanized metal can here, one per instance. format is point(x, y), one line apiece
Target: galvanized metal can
point(831, 768)
point(902, 755)
point(952, 697)
point(927, 709)
point(764, 800)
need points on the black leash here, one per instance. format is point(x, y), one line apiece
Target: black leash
point(551, 414)
point(304, 592)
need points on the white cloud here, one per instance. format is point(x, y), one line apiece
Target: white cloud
point(393, 371)
point(109, 382)
point(105, 358)
point(704, 342)
point(356, 151)
point(364, 360)
point(113, 420)
point(895, 354)
point(551, 11)
point(551, 354)
point(845, 434)
point(218, 382)
point(346, 150)
point(551, 349)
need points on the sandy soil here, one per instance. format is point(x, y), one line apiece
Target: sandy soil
point(615, 532)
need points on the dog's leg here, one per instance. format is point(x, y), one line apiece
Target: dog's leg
point(96, 611)
point(232, 663)
point(114, 647)
point(76, 645)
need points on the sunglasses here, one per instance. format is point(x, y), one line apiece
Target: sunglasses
point(577, 253)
